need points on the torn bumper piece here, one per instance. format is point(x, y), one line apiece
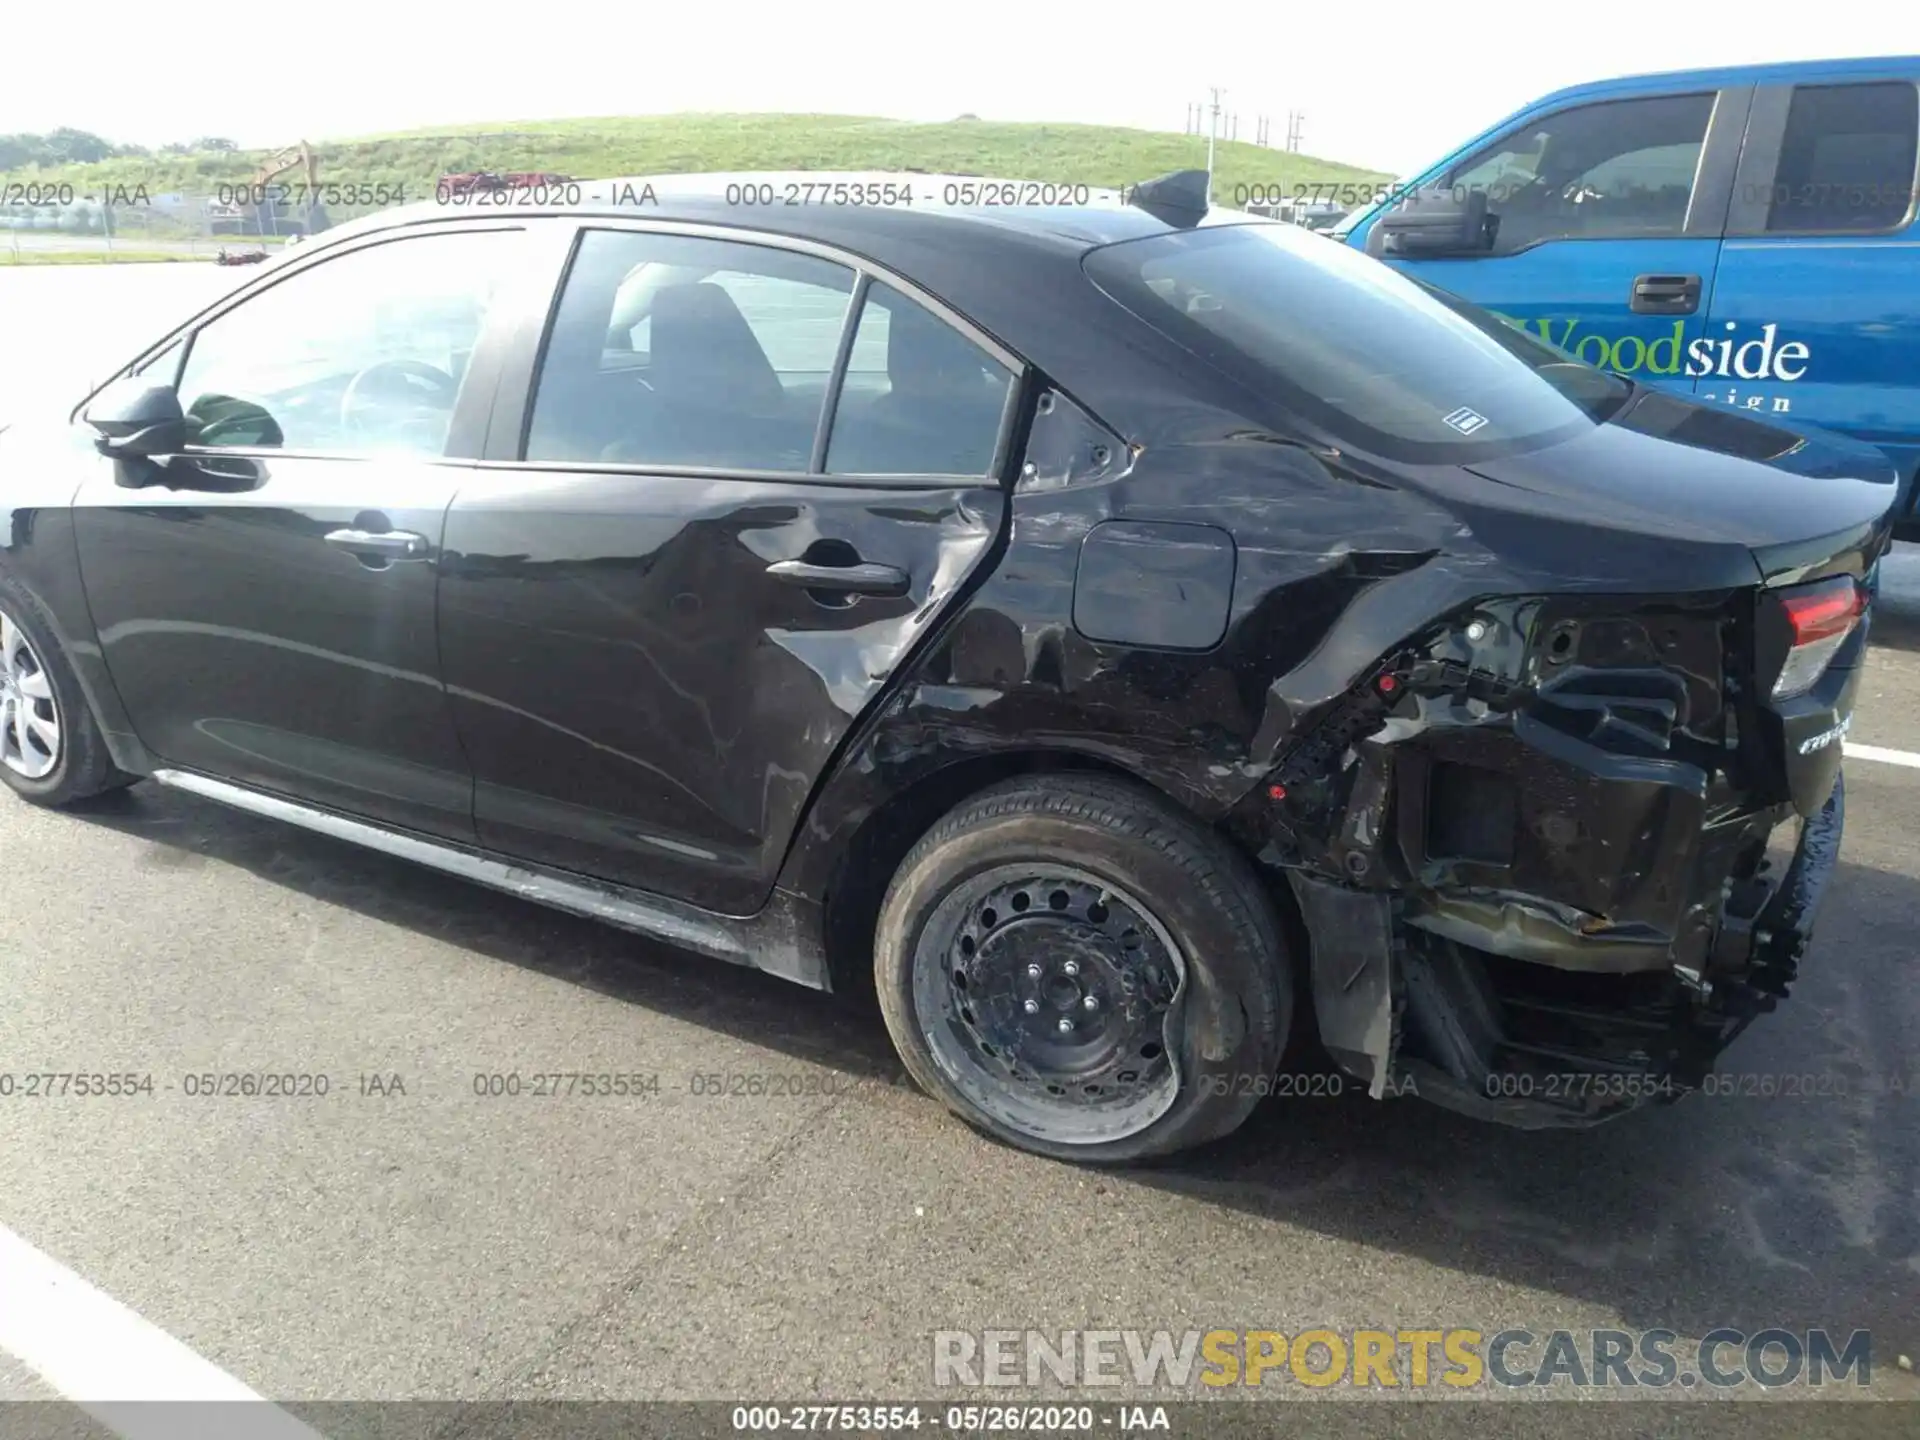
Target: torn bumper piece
point(1531, 847)
point(1412, 1010)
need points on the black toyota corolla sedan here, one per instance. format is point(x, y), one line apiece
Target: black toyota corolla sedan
point(1142, 635)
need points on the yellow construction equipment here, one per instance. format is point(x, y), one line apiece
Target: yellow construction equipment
point(269, 209)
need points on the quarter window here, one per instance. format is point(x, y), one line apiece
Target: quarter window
point(673, 350)
point(1847, 158)
point(363, 354)
point(920, 398)
point(1620, 169)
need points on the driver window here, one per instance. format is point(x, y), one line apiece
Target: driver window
point(1622, 169)
point(361, 355)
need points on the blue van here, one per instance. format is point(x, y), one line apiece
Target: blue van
point(1747, 236)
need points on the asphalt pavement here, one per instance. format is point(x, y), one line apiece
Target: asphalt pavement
point(407, 1235)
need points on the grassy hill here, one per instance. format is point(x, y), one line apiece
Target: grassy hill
point(596, 149)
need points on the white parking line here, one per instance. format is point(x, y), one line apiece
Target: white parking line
point(110, 1362)
point(1884, 756)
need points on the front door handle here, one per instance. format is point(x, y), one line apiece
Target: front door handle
point(1665, 294)
point(864, 578)
point(380, 544)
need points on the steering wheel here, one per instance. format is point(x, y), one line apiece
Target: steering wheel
point(443, 387)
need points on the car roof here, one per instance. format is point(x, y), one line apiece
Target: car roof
point(1013, 271)
point(1779, 72)
point(1092, 216)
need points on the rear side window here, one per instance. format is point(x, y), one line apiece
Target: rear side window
point(920, 398)
point(1617, 169)
point(1847, 158)
point(1367, 356)
point(673, 350)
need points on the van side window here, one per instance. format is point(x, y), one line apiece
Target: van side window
point(1614, 170)
point(1847, 158)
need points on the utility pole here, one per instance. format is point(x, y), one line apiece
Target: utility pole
point(1213, 134)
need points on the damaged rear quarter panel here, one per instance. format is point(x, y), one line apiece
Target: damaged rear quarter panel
point(1336, 563)
point(1584, 811)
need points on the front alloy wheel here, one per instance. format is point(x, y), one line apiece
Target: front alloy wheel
point(52, 750)
point(29, 714)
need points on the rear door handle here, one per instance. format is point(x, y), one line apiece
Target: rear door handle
point(864, 578)
point(1665, 294)
point(380, 544)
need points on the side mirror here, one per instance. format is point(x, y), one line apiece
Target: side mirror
point(137, 419)
point(1436, 221)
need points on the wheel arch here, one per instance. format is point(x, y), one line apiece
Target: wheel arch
point(855, 848)
point(850, 873)
point(41, 556)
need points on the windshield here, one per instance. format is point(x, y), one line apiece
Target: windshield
point(1374, 359)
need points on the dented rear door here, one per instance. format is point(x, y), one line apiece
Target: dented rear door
point(664, 606)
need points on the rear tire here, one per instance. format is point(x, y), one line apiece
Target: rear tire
point(51, 749)
point(1077, 968)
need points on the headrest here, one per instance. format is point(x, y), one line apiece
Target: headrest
point(700, 344)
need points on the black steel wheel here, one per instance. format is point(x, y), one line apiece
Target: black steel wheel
point(1081, 970)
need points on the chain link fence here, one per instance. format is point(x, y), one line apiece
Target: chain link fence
point(58, 225)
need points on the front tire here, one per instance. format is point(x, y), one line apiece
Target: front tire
point(1077, 968)
point(51, 749)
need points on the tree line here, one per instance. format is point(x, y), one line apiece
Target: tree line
point(67, 146)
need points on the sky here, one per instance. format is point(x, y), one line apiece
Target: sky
point(1386, 86)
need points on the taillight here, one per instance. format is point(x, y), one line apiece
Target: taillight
point(1820, 618)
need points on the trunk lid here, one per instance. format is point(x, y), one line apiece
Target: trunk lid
point(1675, 483)
point(1697, 473)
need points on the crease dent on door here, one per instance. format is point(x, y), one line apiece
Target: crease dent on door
point(648, 690)
point(852, 663)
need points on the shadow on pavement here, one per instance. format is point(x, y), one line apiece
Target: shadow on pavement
point(1796, 1211)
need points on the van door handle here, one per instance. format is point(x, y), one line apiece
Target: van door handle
point(1665, 295)
point(864, 578)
